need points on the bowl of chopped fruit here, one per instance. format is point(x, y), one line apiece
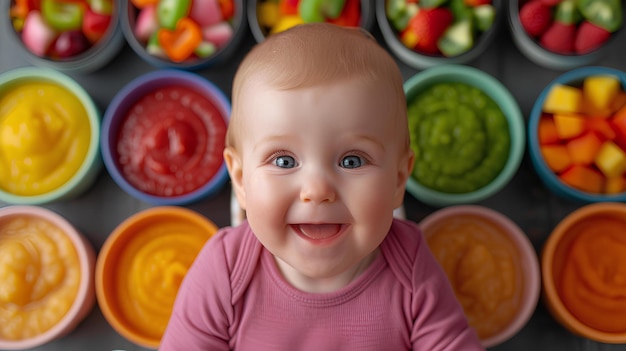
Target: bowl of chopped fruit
point(432, 32)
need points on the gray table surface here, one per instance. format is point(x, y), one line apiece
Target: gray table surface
point(524, 200)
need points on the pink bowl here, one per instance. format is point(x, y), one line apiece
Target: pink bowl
point(85, 295)
point(509, 253)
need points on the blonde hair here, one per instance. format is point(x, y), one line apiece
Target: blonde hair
point(313, 54)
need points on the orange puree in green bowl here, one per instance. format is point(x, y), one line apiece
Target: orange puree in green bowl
point(141, 266)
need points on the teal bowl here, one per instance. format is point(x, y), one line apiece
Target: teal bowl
point(550, 180)
point(23, 159)
point(504, 101)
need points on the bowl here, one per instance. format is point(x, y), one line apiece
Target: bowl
point(81, 42)
point(562, 60)
point(457, 47)
point(163, 135)
point(43, 255)
point(166, 38)
point(560, 179)
point(49, 137)
point(456, 161)
point(272, 16)
point(491, 264)
point(141, 265)
point(582, 265)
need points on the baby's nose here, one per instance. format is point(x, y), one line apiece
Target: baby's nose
point(317, 188)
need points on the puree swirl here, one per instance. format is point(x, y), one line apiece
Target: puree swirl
point(150, 271)
point(39, 276)
point(44, 138)
point(593, 278)
point(459, 136)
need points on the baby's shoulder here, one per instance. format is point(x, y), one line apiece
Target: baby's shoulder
point(406, 252)
point(235, 251)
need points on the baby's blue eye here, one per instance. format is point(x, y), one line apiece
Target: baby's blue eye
point(285, 162)
point(351, 162)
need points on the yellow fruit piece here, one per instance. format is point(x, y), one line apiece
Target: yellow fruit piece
point(611, 160)
point(268, 14)
point(599, 92)
point(409, 39)
point(569, 125)
point(563, 99)
point(285, 23)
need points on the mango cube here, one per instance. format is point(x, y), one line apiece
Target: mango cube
point(599, 92)
point(563, 99)
point(611, 160)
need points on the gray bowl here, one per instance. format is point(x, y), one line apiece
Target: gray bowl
point(423, 61)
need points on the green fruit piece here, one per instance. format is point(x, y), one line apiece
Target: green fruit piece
point(460, 10)
point(205, 49)
point(62, 16)
point(606, 14)
point(457, 39)
point(485, 16)
point(399, 13)
point(170, 11)
point(432, 3)
point(320, 10)
point(567, 12)
point(153, 47)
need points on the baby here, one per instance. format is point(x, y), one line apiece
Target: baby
point(318, 154)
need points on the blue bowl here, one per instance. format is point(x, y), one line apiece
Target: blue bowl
point(126, 98)
point(573, 77)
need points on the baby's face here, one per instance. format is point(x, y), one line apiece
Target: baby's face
point(323, 168)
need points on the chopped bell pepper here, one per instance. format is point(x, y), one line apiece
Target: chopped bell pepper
point(180, 43)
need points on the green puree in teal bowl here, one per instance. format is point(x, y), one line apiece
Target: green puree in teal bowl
point(460, 138)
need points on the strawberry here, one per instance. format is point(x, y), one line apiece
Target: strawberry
point(559, 38)
point(428, 25)
point(590, 37)
point(551, 2)
point(535, 17)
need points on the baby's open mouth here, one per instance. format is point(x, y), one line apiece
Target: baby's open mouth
point(318, 231)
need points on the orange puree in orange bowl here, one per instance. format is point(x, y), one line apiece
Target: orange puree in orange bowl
point(140, 268)
point(491, 266)
point(46, 277)
point(584, 272)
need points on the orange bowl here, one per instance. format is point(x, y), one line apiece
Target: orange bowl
point(141, 266)
point(583, 272)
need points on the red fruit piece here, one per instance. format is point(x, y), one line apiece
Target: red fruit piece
point(474, 3)
point(69, 43)
point(535, 17)
point(559, 38)
point(95, 25)
point(428, 26)
point(551, 2)
point(590, 37)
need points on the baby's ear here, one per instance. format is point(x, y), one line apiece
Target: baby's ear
point(405, 167)
point(235, 170)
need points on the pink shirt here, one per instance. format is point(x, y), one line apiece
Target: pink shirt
point(234, 298)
